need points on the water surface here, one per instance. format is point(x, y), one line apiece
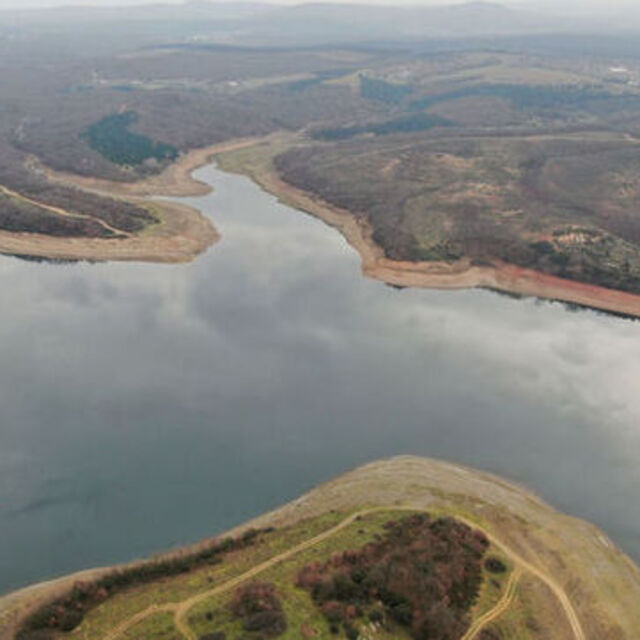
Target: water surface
point(145, 406)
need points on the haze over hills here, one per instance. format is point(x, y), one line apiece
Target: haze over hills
point(353, 22)
point(312, 23)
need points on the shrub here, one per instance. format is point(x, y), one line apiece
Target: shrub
point(495, 565)
point(375, 615)
point(402, 613)
point(67, 612)
point(260, 608)
point(351, 632)
point(70, 620)
point(271, 623)
point(426, 574)
point(333, 611)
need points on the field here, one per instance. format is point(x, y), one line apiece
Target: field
point(543, 574)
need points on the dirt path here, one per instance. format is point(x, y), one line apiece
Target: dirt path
point(182, 235)
point(559, 592)
point(139, 617)
point(63, 212)
point(525, 566)
point(181, 609)
point(504, 603)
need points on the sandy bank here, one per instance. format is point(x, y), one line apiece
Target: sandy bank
point(443, 275)
point(182, 234)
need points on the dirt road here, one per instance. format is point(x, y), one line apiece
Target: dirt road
point(181, 609)
point(63, 212)
point(491, 615)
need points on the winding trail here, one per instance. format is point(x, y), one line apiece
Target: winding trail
point(504, 603)
point(62, 212)
point(556, 588)
point(181, 609)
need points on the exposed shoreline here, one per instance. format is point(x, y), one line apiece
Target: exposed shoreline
point(563, 547)
point(182, 234)
point(442, 275)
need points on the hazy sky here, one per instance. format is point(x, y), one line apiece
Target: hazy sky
point(580, 5)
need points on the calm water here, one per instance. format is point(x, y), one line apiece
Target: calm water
point(145, 406)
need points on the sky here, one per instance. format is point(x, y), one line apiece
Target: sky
point(577, 5)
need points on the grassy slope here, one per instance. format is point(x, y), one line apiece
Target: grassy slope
point(601, 582)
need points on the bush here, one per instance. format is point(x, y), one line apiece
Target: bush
point(402, 613)
point(427, 575)
point(376, 615)
point(70, 620)
point(271, 623)
point(495, 565)
point(333, 611)
point(260, 608)
point(66, 613)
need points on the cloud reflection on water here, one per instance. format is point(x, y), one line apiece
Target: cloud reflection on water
point(147, 405)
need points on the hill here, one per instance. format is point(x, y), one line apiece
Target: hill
point(402, 548)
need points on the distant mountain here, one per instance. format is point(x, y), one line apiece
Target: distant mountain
point(106, 30)
point(348, 22)
point(256, 23)
point(187, 11)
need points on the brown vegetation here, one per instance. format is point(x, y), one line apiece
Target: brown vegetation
point(67, 612)
point(423, 574)
point(259, 607)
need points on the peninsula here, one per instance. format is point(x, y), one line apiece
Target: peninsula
point(402, 548)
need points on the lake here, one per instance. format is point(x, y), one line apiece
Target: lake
point(147, 406)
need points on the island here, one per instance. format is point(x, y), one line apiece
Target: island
point(406, 547)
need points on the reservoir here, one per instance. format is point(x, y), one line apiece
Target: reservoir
point(147, 406)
